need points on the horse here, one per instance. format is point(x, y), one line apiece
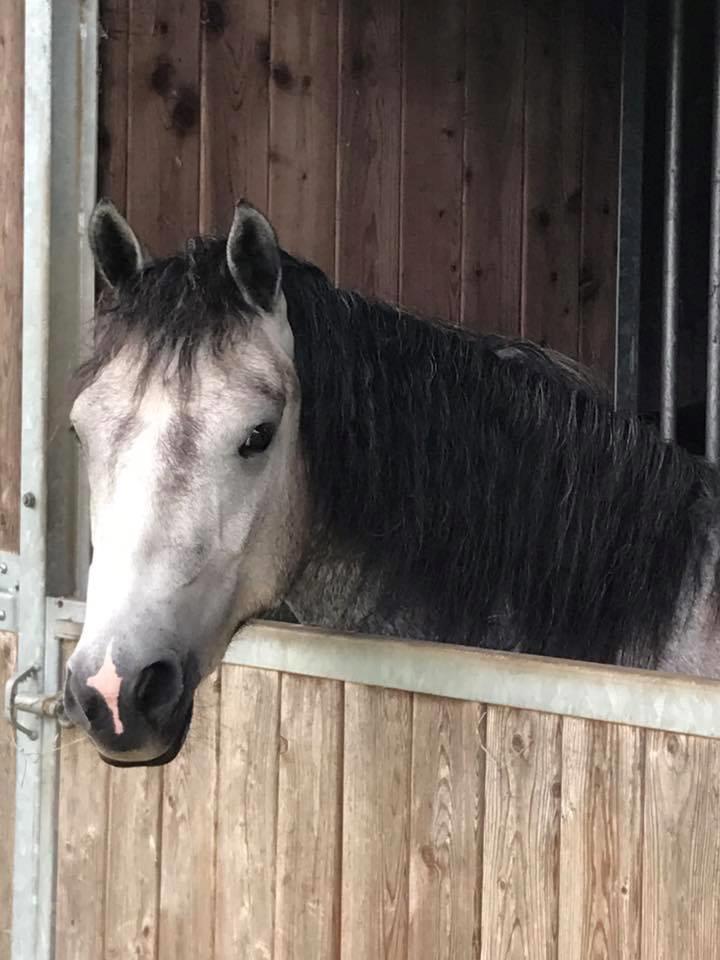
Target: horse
point(255, 435)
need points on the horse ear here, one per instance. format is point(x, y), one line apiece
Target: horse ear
point(253, 257)
point(117, 251)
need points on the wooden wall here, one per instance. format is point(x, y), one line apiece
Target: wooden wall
point(459, 157)
point(311, 818)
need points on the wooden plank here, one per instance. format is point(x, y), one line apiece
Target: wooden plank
point(7, 799)
point(247, 813)
point(113, 100)
point(12, 35)
point(234, 94)
point(131, 913)
point(307, 908)
point(601, 841)
point(187, 908)
point(552, 195)
point(434, 95)
point(303, 127)
point(369, 156)
point(492, 206)
point(445, 838)
point(521, 835)
point(681, 864)
point(164, 121)
point(376, 823)
point(601, 155)
point(82, 823)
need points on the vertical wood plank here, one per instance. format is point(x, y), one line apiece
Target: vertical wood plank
point(303, 127)
point(492, 247)
point(164, 121)
point(247, 813)
point(7, 800)
point(133, 868)
point(553, 151)
point(601, 841)
point(12, 45)
point(369, 159)
point(601, 153)
point(187, 907)
point(434, 98)
point(376, 823)
point(445, 839)
point(521, 835)
point(82, 823)
point(681, 863)
point(307, 909)
point(234, 143)
point(113, 100)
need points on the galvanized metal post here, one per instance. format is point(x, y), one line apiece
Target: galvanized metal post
point(671, 265)
point(59, 187)
point(712, 423)
point(632, 124)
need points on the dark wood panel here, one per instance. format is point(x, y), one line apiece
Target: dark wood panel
point(601, 152)
point(553, 151)
point(113, 100)
point(369, 147)
point(434, 99)
point(303, 127)
point(234, 143)
point(164, 121)
point(492, 209)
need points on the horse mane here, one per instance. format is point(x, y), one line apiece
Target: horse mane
point(475, 477)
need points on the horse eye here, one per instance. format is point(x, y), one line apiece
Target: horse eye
point(258, 440)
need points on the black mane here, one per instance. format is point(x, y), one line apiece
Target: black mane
point(503, 497)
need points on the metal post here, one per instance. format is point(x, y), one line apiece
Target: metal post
point(59, 188)
point(671, 264)
point(712, 427)
point(632, 122)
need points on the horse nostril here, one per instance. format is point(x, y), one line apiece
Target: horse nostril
point(159, 687)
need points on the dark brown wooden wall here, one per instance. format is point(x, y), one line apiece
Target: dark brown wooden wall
point(461, 157)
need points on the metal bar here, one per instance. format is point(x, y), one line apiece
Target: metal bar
point(36, 322)
point(671, 265)
point(632, 124)
point(712, 420)
point(60, 124)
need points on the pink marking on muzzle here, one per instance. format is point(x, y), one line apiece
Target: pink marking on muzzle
point(107, 682)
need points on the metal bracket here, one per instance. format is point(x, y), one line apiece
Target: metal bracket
point(37, 704)
point(9, 589)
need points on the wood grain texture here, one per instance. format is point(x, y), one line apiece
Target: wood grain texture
point(552, 183)
point(681, 862)
point(369, 147)
point(187, 875)
point(303, 127)
point(492, 206)
point(434, 98)
point(133, 865)
point(521, 836)
point(247, 813)
point(601, 841)
point(12, 39)
point(601, 156)
point(80, 921)
point(307, 909)
point(113, 100)
point(164, 121)
point(7, 799)
point(445, 837)
point(234, 95)
point(376, 823)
